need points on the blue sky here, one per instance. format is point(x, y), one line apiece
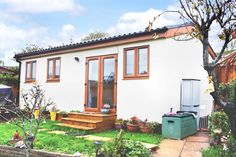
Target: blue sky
point(54, 22)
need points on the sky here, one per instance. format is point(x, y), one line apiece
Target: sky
point(56, 22)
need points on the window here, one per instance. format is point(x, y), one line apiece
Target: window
point(30, 71)
point(136, 62)
point(53, 71)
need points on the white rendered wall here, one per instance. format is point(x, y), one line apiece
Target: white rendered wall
point(170, 62)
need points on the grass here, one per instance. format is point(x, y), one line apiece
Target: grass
point(46, 141)
point(69, 143)
point(142, 137)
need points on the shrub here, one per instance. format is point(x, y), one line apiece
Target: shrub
point(120, 147)
point(228, 90)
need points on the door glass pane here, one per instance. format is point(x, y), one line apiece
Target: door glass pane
point(108, 81)
point(28, 71)
point(33, 70)
point(92, 83)
point(142, 61)
point(130, 62)
point(50, 69)
point(57, 68)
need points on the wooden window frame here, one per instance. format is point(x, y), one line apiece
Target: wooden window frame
point(53, 79)
point(136, 74)
point(31, 71)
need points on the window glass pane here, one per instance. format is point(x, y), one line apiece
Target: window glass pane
point(92, 83)
point(33, 70)
point(28, 67)
point(108, 81)
point(142, 61)
point(50, 69)
point(57, 68)
point(130, 62)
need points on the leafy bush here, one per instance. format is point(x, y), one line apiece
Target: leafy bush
point(228, 90)
point(224, 143)
point(219, 121)
point(120, 147)
point(8, 79)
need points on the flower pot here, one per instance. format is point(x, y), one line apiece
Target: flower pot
point(105, 110)
point(53, 116)
point(118, 126)
point(36, 113)
point(132, 127)
point(145, 129)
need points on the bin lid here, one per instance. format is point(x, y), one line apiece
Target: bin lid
point(179, 115)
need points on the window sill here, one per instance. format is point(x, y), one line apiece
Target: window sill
point(51, 81)
point(135, 77)
point(30, 81)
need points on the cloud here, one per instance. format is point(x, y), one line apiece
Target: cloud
point(138, 21)
point(42, 6)
point(13, 38)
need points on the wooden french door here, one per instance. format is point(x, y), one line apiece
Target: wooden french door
point(101, 82)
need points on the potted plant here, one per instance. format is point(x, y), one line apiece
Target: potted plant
point(119, 124)
point(106, 109)
point(155, 127)
point(133, 124)
point(53, 113)
point(145, 127)
point(61, 114)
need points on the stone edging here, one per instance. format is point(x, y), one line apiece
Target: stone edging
point(8, 151)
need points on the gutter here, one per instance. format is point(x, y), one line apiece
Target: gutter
point(19, 77)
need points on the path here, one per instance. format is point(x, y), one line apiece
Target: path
point(188, 147)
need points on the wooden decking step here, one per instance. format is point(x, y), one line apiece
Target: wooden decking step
point(82, 120)
point(76, 127)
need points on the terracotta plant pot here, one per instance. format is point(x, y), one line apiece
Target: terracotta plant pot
point(132, 127)
point(145, 129)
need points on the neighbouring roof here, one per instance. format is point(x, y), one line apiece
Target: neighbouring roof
point(164, 32)
point(4, 70)
point(229, 59)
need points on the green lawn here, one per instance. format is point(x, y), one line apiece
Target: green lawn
point(142, 137)
point(69, 143)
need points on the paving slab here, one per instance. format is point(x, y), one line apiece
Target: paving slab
point(188, 147)
point(170, 148)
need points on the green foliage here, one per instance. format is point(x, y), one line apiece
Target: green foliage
point(228, 90)
point(220, 121)
point(95, 35)
point(135, 148)
point(213, 152)
point(8, 79)
point(120, 147)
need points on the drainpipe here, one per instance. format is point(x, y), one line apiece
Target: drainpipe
point(19, 76)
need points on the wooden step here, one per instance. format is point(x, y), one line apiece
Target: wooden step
point(92, 116)
point(82, 122)
point(76, 127)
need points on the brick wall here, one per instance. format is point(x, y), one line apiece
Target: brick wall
point(7, 151)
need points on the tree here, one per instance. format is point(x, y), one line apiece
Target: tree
point(95, 35)
point(33, 100)
point(30, 47)
point(205, 15)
